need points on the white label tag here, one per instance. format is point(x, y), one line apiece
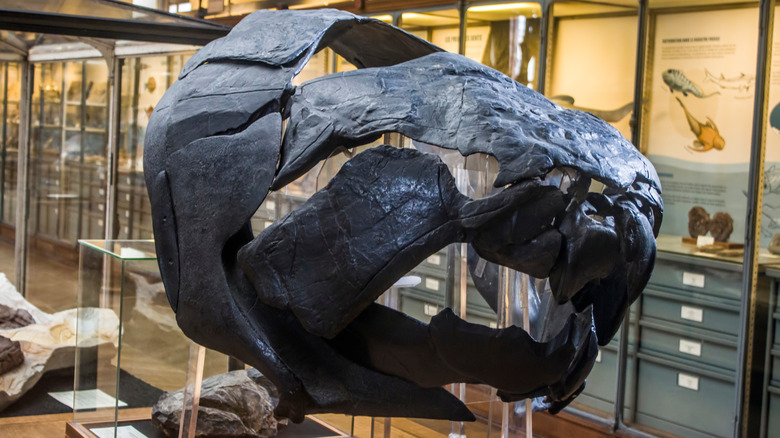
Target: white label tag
point(688, 381)
point(127, 213)
point(270, 205)
point(87, 399)
point(430, 310)
point(434, 259)
point(127, 197)
point(121, 432)
point(267, 224)
point(691, 279)
point(127, 230)
point(690, 347)
point(128, 181)
point(431, 284)
point(100, 222)
point(598, 357)
point(100, 207)
point(493, 325)
point(692, 313)
point(705, 241)
point(102, 192)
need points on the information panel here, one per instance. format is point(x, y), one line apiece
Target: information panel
point(701, 110)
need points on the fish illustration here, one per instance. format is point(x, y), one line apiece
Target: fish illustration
point(707, 135)
point(609, 116)
point(677, 81)
point(741, 83)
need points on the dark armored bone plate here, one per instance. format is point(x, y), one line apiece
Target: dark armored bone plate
point(298, 301)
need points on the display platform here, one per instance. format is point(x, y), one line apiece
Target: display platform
point(141, 426)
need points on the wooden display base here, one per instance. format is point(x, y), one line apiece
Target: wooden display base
point(724, 245)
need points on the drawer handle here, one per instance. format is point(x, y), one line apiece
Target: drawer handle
point(687, 381)
point(434, 259)
point(690, 347)
point(695, 314)
point(691, 279)
point(430, 310)
point(431, 284)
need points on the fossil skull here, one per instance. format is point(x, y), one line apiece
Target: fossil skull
point(297, 301)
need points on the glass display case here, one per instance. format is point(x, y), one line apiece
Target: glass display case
point(121, 298)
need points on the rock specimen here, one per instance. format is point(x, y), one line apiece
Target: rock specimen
point(721, 226)
point(698, 222)
point(50, 343)
point(297, 301)
point(237, 404)
point(10, 354)
point(14, 318)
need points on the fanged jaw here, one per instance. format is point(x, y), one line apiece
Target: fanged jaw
point(296, 300)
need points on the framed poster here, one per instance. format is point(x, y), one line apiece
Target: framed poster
point(699, 126)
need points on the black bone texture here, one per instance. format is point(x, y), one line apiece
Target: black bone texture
point(298, 301)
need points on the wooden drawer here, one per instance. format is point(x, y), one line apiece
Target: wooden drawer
point(695, 346)
point(696, 278)
point(689, 310)
point(684, 400)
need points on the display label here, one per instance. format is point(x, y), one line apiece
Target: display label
point(687, 381)
point(121, 432)
point(691, 279)
point(100, 223)
point(430, 310)
point(431, 284)
point(127, 197)
point(270, 205)
point(100, 207)
point(127, 213)
point(694, 314)
point(102, 192)
point(434, 259)
point(705, 241)
point(690, 347)
point(86, 399)
point(598, 357)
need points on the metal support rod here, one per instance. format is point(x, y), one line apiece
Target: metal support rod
point(639, 78)
point(462, 28)
point(115, 82)
point(544, 36)
point(770, 340)
point(3, 144)
point(744, 372)
point(23, 178)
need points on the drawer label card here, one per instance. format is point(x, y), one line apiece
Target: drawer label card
point(695, 314)
point(434, 259)
point(691, 279)
point(598, 357)
point(430, 310)
point(267, 224)
point(270, 205)
point(431, 284)
point(687, 381)
point(690, 347)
